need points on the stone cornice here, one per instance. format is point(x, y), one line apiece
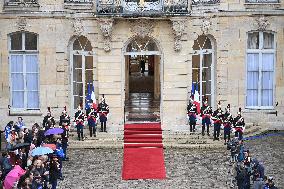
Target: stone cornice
point(90, 15)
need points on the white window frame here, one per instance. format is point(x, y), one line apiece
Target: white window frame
point(82, 53)
point(260, 51)
point(23, 53)
point(201, 53)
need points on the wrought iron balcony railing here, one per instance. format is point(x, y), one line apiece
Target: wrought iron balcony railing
point(205, 2)
point(142, 7)
point(78, 1)
point(17, 2)
point(262, 1)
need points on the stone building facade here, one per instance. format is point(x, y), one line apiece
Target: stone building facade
point(238, 45)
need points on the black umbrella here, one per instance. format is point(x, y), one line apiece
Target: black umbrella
point(20, 145)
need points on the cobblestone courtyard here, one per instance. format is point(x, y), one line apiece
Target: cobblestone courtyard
point(186, 168)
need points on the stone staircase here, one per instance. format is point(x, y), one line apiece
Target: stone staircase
point(171, 139)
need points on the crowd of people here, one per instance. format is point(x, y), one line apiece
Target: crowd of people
point(32, 158)
point(36, 154)
point(218, 118)
point(247, 171)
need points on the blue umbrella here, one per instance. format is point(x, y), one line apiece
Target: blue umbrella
point(41, 151)
point(54, 131)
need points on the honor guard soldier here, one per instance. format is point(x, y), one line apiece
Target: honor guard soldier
point(239, 125)
point(79, 123)
point(92, 121)
point(65, 124)
point(227, 122)
point(48, 120)
point(191, 114)
point(103, 110)
point(64, 119)
point(206, 112)
point(217, 118)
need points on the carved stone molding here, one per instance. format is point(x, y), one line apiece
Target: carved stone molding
point(106, 26)
point(142, 27)
point(206, 25)
point(178, 26)
point(262, 23)
point(22, 24)
point(78, 26)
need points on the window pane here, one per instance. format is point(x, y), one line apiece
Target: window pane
point(252, 80)
point(16, 41)
point(31, 63)
point(33, 99)
point(30, 41)
point(88, 46)
point(267, 62)
point(89, 62)
point(267, 80)
point(267, 98)
point(77, 59)
point(17, 81)
point(253, 40)
point(32, 82)
point(268, 40)
point(76, 45)
point(252, 98)
point(195, 61)
point(16, 63)
point(17, 99)
point(253, 62)
point(77, 101)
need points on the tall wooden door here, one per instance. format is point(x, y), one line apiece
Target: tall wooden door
point(157, 80)
point(127, 67)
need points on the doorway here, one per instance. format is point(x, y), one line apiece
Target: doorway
point(142, 81)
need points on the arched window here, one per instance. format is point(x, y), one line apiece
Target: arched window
point(260, 70)
point(24, 70)
point(83, 69)
point(203, 69)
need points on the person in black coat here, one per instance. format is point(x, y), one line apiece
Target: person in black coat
point(54, 171)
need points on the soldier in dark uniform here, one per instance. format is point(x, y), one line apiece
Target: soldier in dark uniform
point(103, 110)
point(217, 118)
point(65, 124)
point(48, 120)
point(206, 112)
point(239, 125)
point(92, 122)
point(79, 120)
point(227, 122)
point(191, 113)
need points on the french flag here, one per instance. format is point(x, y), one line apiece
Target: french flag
point(195, 96)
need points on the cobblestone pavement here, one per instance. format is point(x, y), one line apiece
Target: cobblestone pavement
point(186, 168)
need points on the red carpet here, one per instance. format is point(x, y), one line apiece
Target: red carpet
point(143, 152)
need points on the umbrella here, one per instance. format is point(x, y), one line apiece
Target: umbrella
point(54, 131)
point(13, 176)
point(20, 145)
point(41, 151)
point(51, 146)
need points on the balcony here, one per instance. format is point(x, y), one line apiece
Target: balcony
point(205, 2)
point(30, 5)
point(142, 7)
point(262, 4)
point(200, 6)
point(78, 4)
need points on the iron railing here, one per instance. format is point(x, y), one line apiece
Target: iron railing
point(262, 1)
point(141, 7)
point(7, 2)
point(205, 2)
point(78, 1)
